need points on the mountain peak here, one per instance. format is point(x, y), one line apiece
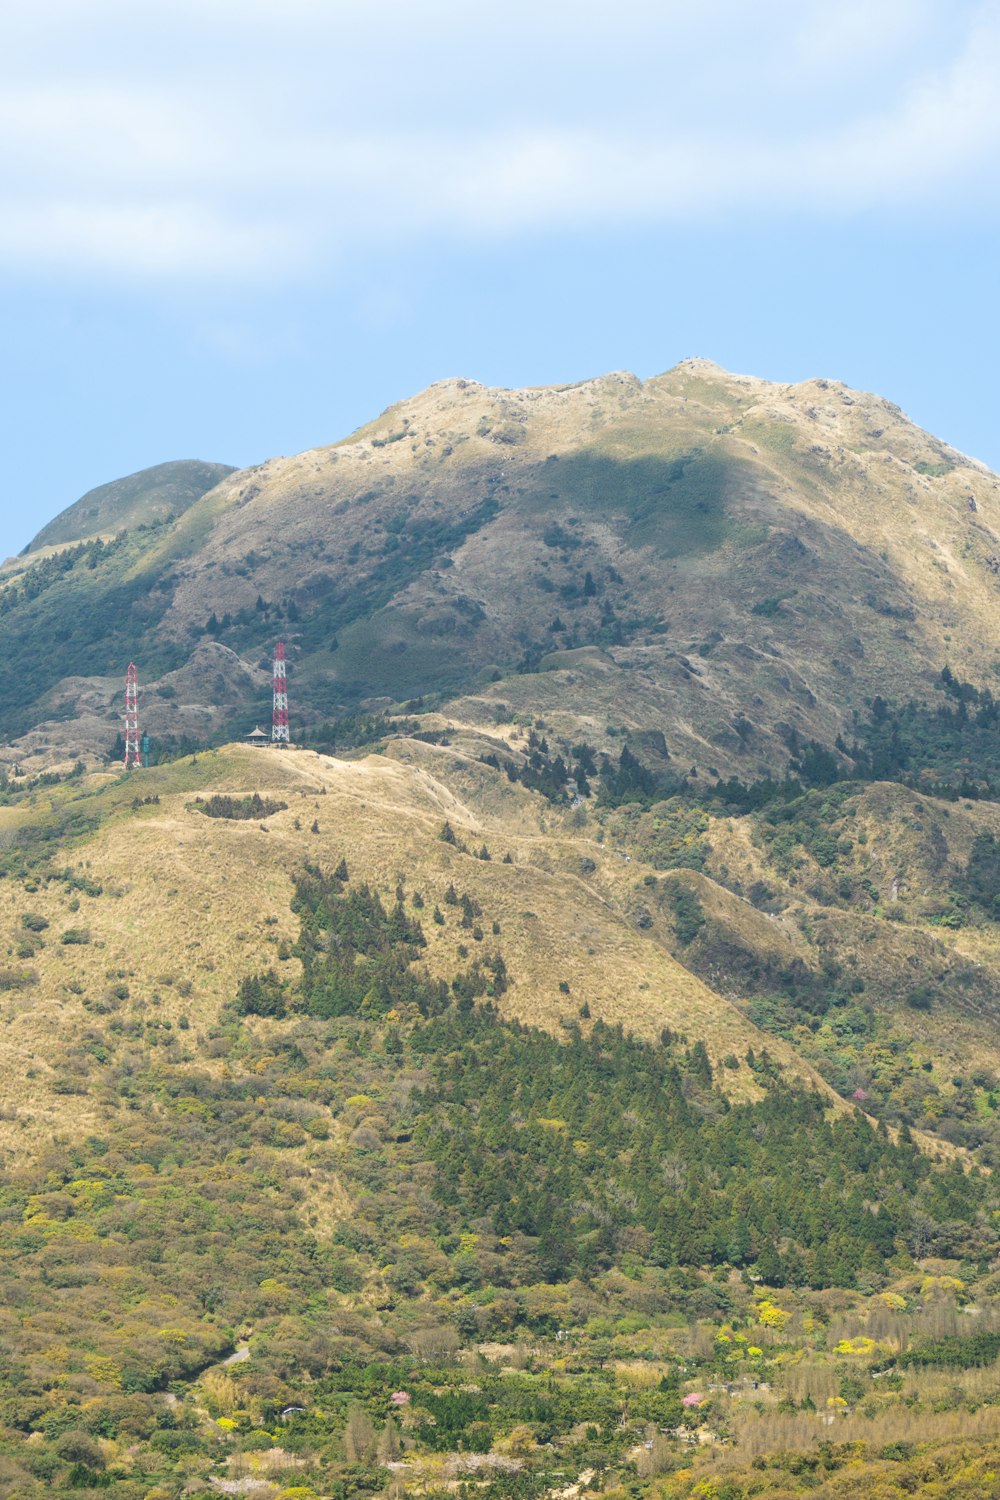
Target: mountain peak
point(697, 365)
point(155, 494)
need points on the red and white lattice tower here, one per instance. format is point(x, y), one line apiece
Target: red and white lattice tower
point(132, 759)
point(279, 718)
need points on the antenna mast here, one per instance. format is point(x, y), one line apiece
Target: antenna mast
point(132, 758)
point(279, 718)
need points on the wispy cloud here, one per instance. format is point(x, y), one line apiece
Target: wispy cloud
point(162, 238)
point(321, 128)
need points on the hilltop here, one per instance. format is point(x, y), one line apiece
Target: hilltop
point(157, 494)
point(141, 873)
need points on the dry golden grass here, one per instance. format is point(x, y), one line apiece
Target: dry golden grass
point(641, 1374)
point(191, 904)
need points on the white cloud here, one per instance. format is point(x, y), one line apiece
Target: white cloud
point(856, 31)
point(163, 238)
point(560, 117)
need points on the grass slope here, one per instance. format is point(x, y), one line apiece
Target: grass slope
point(155, 494)
point(163, 869)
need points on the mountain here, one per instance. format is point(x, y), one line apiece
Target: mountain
point(756, 623)
point(703, 556)
point(574, 1065)
point(156, 494)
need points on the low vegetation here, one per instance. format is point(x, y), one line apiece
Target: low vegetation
point(246, 809)
point(463, 1251)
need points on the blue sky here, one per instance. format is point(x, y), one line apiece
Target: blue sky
point(234, 228)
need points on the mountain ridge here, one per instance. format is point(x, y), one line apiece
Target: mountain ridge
point(442, 519)
point(160, 492)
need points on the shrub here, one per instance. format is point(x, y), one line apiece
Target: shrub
point(76, 1446)
point(688, 913)
point(17, 979)
point(245, 809)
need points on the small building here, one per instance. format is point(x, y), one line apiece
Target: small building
point(258, 737)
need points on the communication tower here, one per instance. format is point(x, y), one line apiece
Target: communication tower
point(132, 758)
point(279, 718)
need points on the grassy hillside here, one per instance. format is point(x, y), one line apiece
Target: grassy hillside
point(156, 494)
point(132, 877)
point(331, 1079)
